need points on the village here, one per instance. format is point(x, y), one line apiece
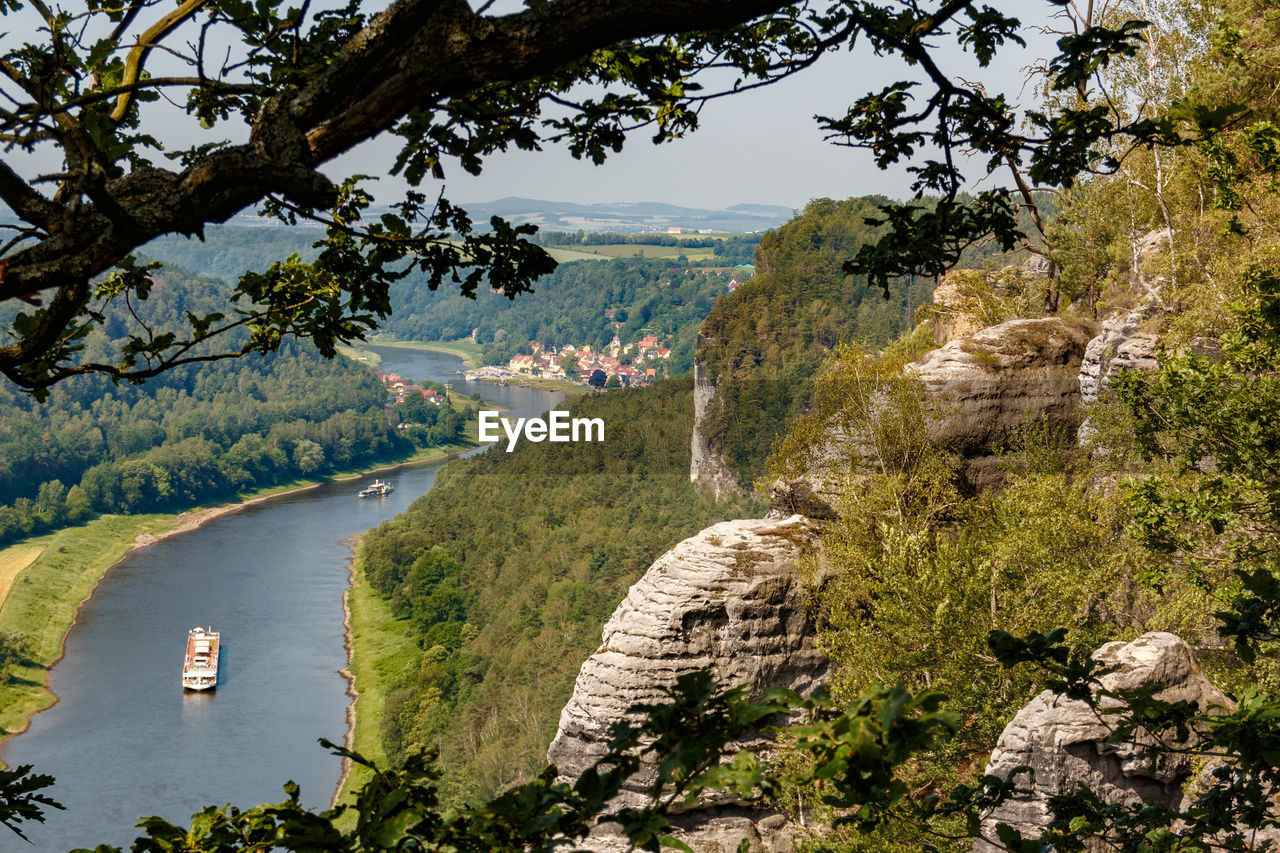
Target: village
point(630, 365)
point(403, 390)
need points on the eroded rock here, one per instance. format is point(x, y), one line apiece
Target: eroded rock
point(732, 599)
point(1065, 743)
point(981, 388)
point(1000, 378)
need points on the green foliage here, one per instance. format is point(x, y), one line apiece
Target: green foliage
point(195, 433)
point(23, 797)
point(914, 575)
point(509, 567)
point(14, 649)
point(763, 344)
point(1210, 509)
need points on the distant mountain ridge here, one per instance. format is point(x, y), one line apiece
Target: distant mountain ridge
point(630, 216)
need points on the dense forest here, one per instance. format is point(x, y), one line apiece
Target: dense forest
point(506, 570)
point(196, 433)
point(228, 251)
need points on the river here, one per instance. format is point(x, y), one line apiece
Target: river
point(124, 740)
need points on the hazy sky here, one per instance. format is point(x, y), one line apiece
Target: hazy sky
point(759, 147)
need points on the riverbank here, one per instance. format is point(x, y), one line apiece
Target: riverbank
point(562, 386)
point(378, 644)
point(44, 598)
point(463, 348)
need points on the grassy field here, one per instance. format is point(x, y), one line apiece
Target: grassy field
point(364, 356)
point(381, 647)
point(12, 561)
point(43, 599)
point(628, 250)
point(564, 256)
point(631, 250)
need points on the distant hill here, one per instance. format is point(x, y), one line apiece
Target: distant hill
point(250, 242)
point(631, 216)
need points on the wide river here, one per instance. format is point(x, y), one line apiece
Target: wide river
point(124, 740)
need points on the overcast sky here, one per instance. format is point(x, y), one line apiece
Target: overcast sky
point(761, 147)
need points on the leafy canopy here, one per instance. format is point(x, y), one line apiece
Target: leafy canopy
point(89, 87)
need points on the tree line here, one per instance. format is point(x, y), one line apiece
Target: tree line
point(197, 433)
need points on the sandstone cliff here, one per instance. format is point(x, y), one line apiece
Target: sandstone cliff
point(980, 388)
point(999, 378)
point(707, 469)
point(1065, 743)
point(731, 599)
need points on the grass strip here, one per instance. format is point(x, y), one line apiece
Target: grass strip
point(13, 560)
point(380, 648)
point(464, 348)
point(43, 601)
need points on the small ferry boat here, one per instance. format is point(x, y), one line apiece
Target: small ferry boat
point(200, 667)
point(378, 489)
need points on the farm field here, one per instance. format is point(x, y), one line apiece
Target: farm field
point(607, 251)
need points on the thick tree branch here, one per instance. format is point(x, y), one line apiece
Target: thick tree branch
point(417, 52)
point(413, 52)
point(137, 58)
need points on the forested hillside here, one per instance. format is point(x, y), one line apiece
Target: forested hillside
point(583, 302)
point(506, 570)
point(765, 343)
point(192, 434)
point(227, 251)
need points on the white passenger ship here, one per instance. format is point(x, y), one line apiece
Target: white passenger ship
point(200, 668)
point(377, 490)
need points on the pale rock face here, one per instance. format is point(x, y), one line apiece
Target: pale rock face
point(707, 469)
point(1122, 345)
point(1064, 743)
point(1001, 377)
point(983, 386)
point(956, 317)
point(731, 599)
point(1126, 340)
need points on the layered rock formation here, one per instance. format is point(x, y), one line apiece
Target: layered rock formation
point(981, 388)
point(999, 378)
point(1127, 342)
point(1065, 743)
point(731, 599)
point(1128, 338)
